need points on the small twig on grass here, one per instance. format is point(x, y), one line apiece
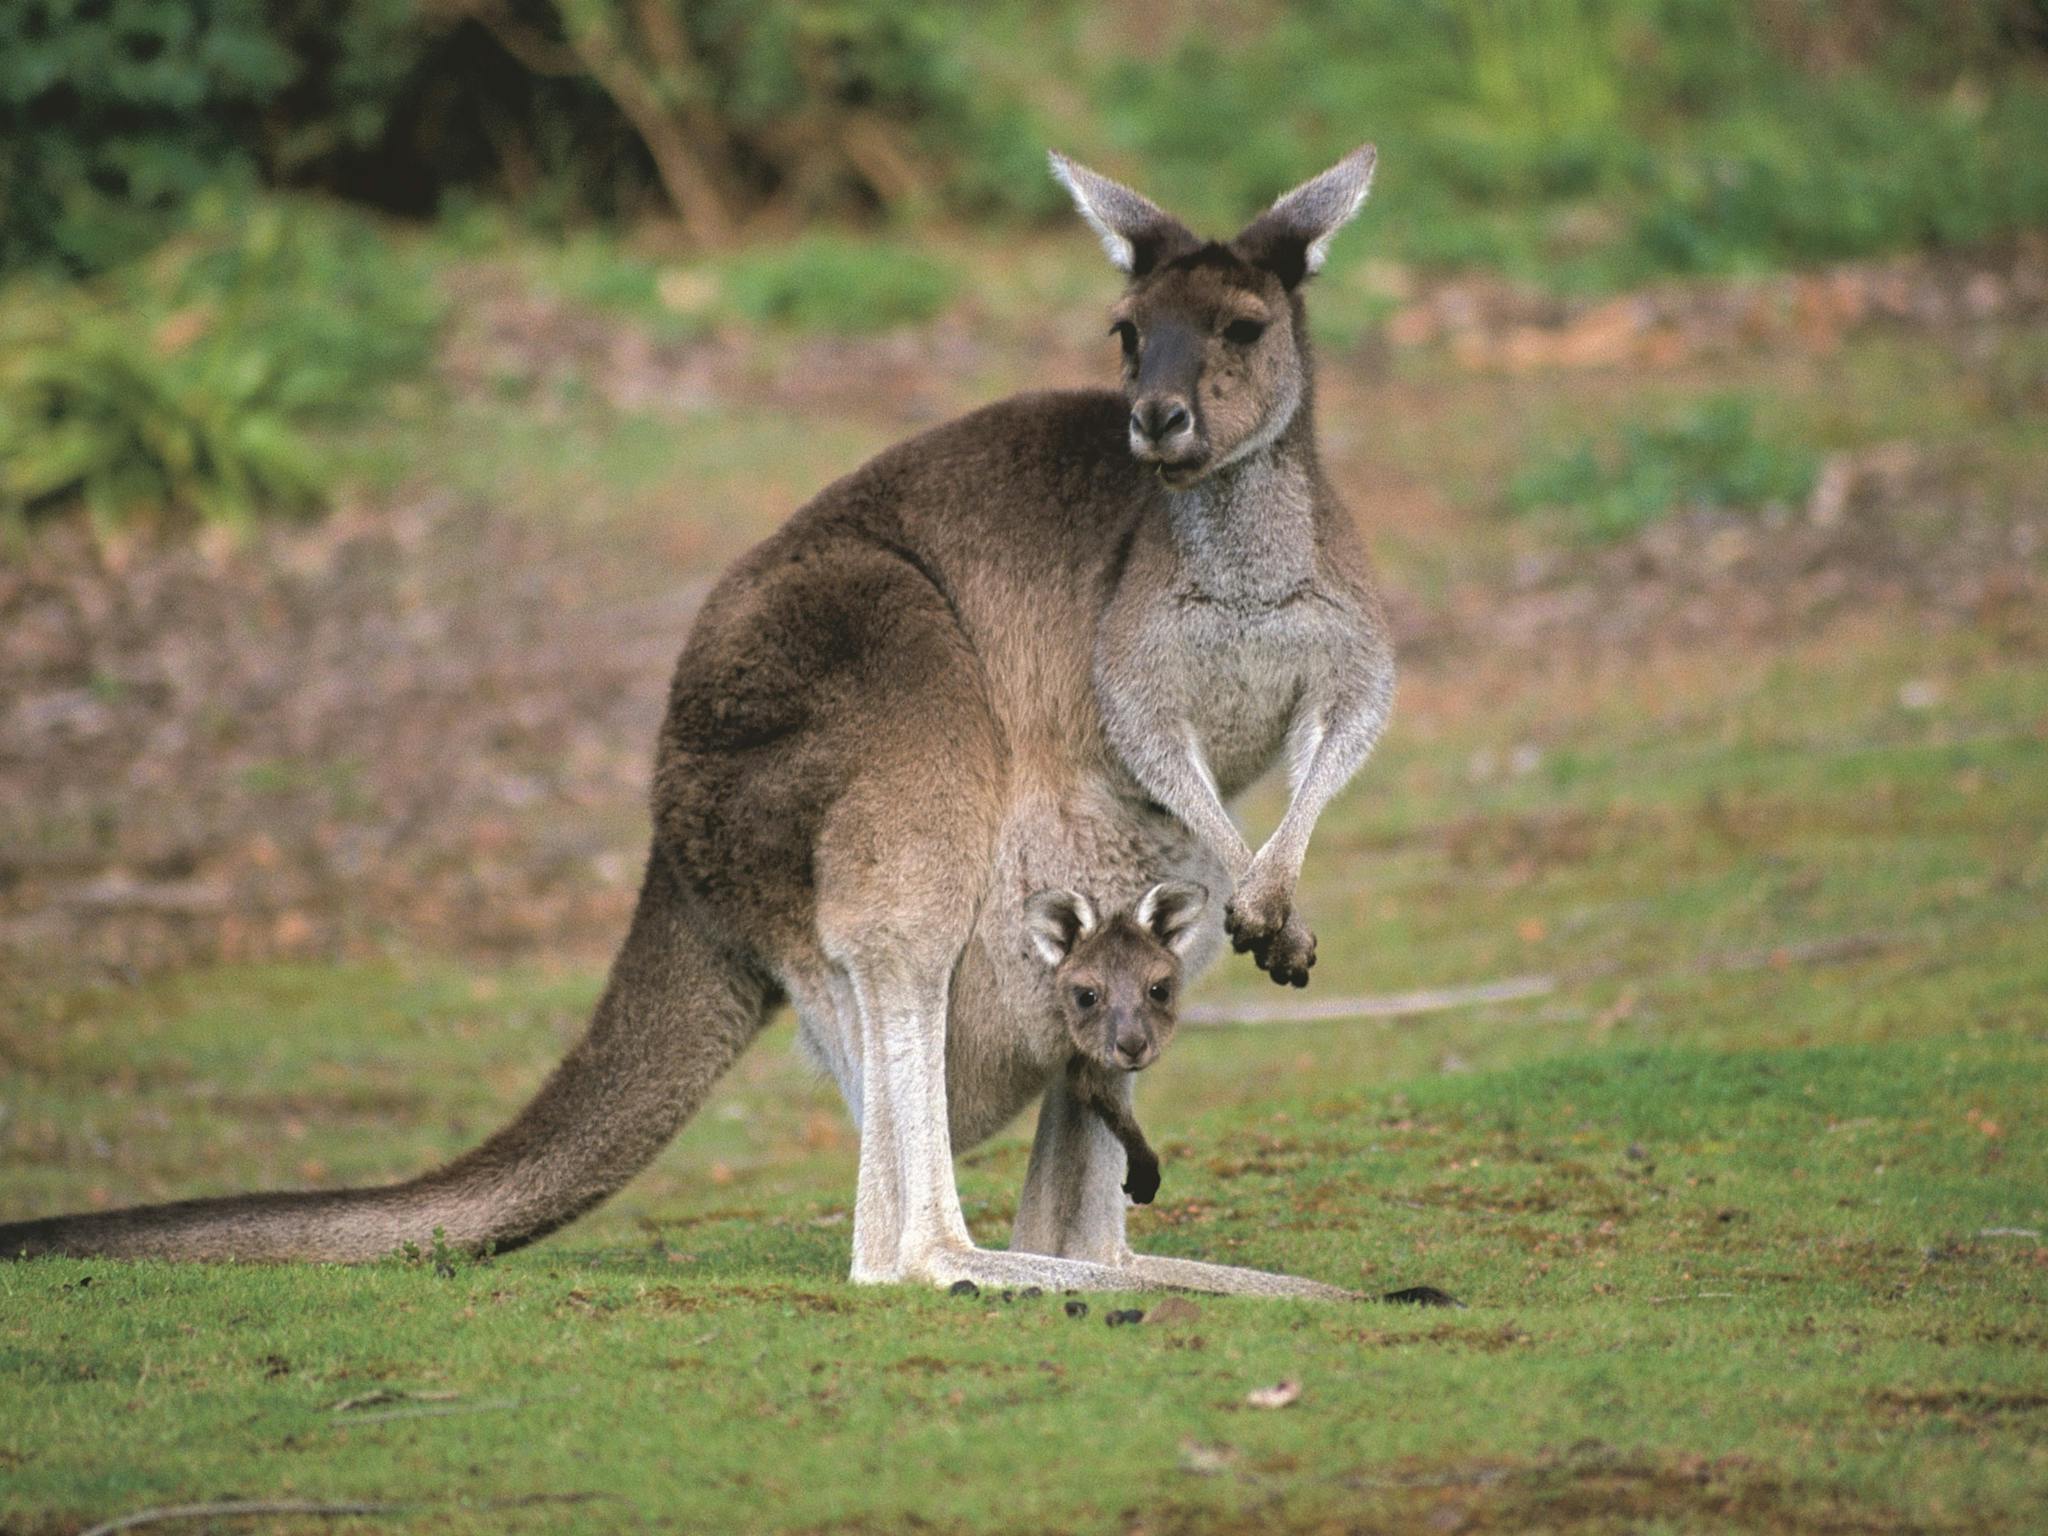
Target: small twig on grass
point(224, 1507)
point(1393, 1005)
point(435, 1411)
point(383, 1395)
point(258, 1508)
point(1826, 951)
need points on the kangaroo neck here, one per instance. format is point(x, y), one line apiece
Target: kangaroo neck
point(1246, 534)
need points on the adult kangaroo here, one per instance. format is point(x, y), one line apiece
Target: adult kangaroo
point(1036, 647)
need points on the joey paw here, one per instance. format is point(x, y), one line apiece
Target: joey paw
point(1141, 1183)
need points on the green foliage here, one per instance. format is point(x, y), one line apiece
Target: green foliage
point(1583, 143)
point(830, 282)
point(196, 381)
point(115, 114)
point(1589, 143)
point(1713, 456)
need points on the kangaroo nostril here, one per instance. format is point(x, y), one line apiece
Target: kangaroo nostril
point(1175, 420)
point(1138, 424)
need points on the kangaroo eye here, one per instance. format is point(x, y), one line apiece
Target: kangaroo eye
point(1243, 333)
point(1127, 335)
point(1084, 997)
point(1162, 992)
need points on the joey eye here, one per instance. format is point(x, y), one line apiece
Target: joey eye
point(1162, 991)
point(1084, 997)
point(1243, 333)
point(1127, 337)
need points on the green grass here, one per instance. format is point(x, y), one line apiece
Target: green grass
point(1713, 457)
point(832, 283)
point(1719, 1205)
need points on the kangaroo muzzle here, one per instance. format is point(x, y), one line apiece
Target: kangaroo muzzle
point(1164, 430)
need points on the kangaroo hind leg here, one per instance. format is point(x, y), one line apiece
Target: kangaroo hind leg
point(895, 916)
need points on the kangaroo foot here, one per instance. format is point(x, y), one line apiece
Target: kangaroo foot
point(991, 1268)
point(1150, 1273)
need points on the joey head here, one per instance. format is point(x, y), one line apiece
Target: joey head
point(1117, 982)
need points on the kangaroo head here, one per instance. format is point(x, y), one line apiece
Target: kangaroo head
point(1215, 355)
point(1117, 979)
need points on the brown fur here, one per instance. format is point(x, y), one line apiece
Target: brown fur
point(1007, 654)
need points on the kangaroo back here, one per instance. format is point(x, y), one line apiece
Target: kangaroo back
point(675, 1014)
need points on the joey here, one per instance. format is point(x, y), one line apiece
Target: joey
point(1117, 981)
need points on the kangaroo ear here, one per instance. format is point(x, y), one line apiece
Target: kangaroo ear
point(1171, 910)
point(1137, 233)
point(1292, 238)
point(1056, 921)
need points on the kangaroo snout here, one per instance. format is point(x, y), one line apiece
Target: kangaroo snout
point(1164, 437)
point(1132, 1045)
point(1159, 419)
point(1163, 434)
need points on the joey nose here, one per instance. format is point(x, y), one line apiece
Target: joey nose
point(1133, 1044)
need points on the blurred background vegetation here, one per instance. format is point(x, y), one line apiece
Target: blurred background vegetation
point(214, 213)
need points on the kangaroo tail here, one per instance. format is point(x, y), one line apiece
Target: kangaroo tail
point(675, 1014)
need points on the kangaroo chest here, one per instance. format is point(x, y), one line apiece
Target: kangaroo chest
point(1248, 668)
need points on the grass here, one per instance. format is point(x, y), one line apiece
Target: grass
point(829, 283)
point(1733, 1211)
point(1713, 457)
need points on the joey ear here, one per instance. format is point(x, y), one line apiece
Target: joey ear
point(1292, 238)
point(1171, 910)
point(1055, 921)
point(1137, 233)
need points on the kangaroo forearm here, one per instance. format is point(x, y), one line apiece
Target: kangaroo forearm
point(1205, 816)
point(1170, 773)
point(1340, 747)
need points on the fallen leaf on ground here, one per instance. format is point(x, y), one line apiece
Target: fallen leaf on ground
point(1205, 1460)
point(1278, 1395)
